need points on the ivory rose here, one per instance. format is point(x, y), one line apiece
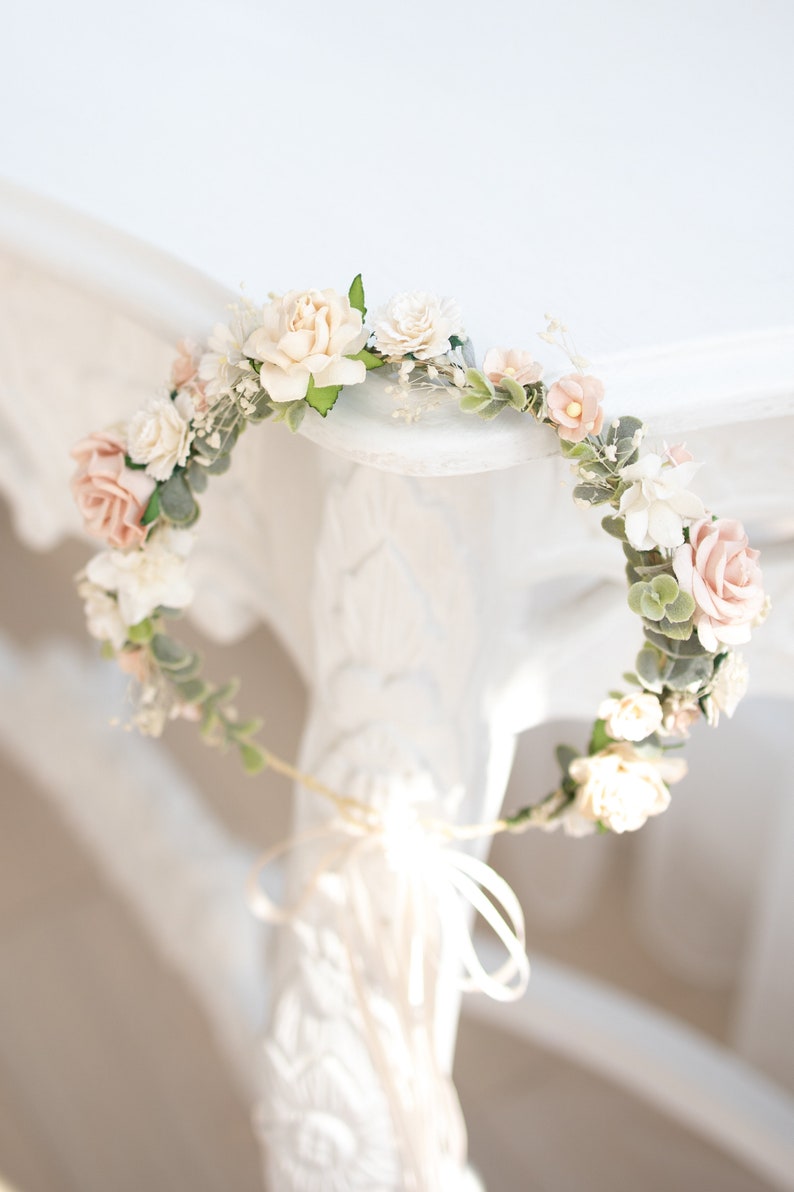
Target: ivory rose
point(143, 580)
point(720, 571)
point(574, 403)
point(307, 335)
point(417, 324)
point(103, 619)
point(160, 436)
point(110, 496)
point(509, 362)
point(632, 718)
point(620, 788)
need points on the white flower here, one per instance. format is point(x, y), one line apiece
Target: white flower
point(160, 436)
point(728, 688)
point(658, 501)
point(632, 718)
point(307, 335)
point(620, 788)
point(143, 579)
point(420, 324)
point(226, 366)
point(103, 619)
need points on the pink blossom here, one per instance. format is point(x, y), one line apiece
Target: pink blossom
point(110, 496)
point(510, 362)
point(184, 370)
point(720, 571)
point(575, 405)
point(678, 454)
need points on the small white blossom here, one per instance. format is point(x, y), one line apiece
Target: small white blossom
point(160, 436)
point(728, 689)
point(103, 618)
point(225, 365)
point(143, 579)
point(658, 502)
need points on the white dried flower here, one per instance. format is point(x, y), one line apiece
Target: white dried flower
point(728, 688)
point(225, 364)
point(103, 618)
point(658, 502)
point(143, 579)
point(419, 324)
point(160, 435)
point(679, 713)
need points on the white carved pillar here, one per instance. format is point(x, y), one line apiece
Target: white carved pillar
point(405, 614)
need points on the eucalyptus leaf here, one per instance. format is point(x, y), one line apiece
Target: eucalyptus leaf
point(168, 652)
point(491, 409)
point(479, 382)
point(615, 526)
point(665, 588)
point(591, 494)
point(516, 395)
point(680, 609)
point(650, 606)
point(635, 595)
point(294, 414)
point(677, 630)
point(197, 477)
point(472, 403)
point(219, 465)
point(193, 691)
point(651, 668)
point(176, 500)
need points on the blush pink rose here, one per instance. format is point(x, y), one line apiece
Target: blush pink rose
point(720, 571)
point(575, 405)
point(110, 496)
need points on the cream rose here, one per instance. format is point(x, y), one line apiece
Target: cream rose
point(160, 436)
point(720, 571)
point(620, 788)
point(632, 718)
point(307, 335)
point(574, 403)
point(509, 362)
point(417, 324)
point(110, 496)
point(679, 713)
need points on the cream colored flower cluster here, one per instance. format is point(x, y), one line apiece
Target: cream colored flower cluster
point(694, 580)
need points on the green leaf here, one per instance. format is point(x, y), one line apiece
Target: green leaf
point(141, 633)
point(246, 728)
point(665, 588)
point(677, 630)
point(356, 295)
point(152, 510)
point(651, 668)
point(615, 526)
point(176, 500)
point(600, 738)
point(680, 609)
point(170, 653)
point(321, 400)
point(635, 595)
point(262, 408)
point(479, 382)
point(472, 403)
point(455, 341)
point(515, 392)
point(193, 691)
point(197, 477)
point(650, 606)
point(252, 757)
point(187, 670)
point(219, 465)
point(491, 409)
point(565, 755)
point(369, 359)
point(591, 494)
point(294, 414)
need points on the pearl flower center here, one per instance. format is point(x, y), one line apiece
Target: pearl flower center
point(573, 409)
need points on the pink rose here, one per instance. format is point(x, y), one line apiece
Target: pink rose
point(720, 572)
point(508, 362)
point(575, 405)
point(110, 496)
point(678, 454)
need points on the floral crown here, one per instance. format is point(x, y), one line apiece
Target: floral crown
point(694, 582)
